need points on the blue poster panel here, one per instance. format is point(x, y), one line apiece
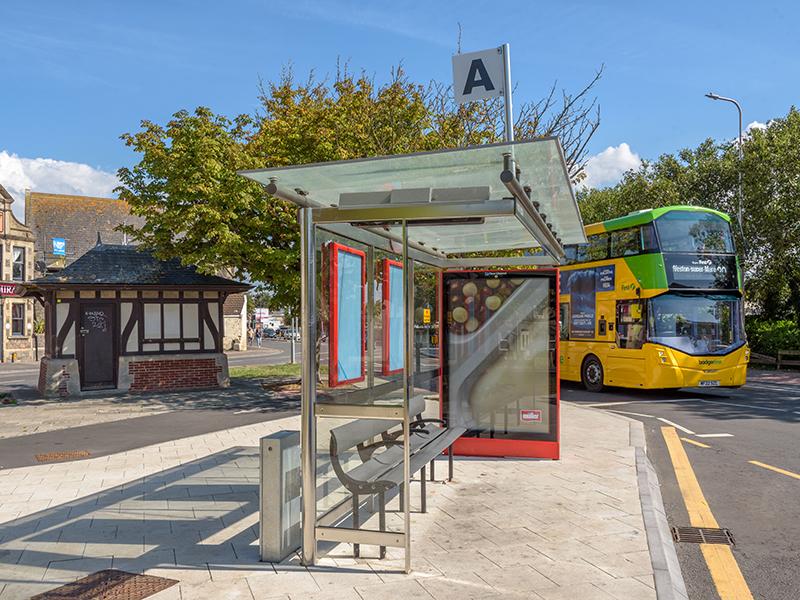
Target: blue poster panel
point(392, 317)
point(347, 280)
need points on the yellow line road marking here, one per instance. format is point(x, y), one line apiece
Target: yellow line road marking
point(776, 469)
point(696, 443)
point(722, 565)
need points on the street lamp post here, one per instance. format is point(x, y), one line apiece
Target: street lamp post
point(714, 96)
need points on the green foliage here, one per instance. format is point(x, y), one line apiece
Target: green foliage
point(199, 209)
point(769, 239)
point(768, 337)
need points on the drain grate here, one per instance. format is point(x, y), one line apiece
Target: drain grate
point(66, 455)
point(703, 535)
point(109, 584)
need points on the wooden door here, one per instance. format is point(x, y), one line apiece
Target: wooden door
point(97, 358)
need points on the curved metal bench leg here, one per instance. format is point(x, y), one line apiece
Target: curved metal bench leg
point(422, 490)
point(356, 547)
point(382, 519)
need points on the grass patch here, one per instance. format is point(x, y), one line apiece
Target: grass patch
point(261, 371)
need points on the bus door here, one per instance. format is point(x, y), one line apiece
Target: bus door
point(625, 357)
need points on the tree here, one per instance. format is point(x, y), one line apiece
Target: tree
point(198, 209)
point(769, 238)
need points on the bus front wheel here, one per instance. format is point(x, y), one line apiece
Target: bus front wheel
point(592, 374)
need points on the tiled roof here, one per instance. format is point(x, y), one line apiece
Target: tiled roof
point(110, 264)
point(233, 305)
point(78, 220)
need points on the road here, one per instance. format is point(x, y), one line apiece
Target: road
point(721, 432)
point(25, 375)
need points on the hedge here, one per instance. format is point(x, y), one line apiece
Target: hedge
point(767, 337)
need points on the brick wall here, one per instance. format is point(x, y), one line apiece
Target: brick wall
point(149, 375)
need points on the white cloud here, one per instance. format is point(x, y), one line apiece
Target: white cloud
point(53, 176)
point(607, 167)
point(755, 125)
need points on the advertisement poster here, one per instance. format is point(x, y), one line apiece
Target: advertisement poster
point(392, 317)
point(582, 285)
point(499, 355)
point(347, 316)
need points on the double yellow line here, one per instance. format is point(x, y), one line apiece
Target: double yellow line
point(722, 565)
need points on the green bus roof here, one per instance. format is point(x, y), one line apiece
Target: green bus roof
point(640, 217)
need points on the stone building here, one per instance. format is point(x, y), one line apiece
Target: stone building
point(119, 318)
point(16, 267)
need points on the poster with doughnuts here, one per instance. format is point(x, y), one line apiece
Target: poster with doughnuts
point(472, 302)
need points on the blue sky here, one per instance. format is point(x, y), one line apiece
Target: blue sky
point(78, 74)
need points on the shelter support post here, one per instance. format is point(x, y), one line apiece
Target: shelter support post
point(408, 378)
point(308, 339)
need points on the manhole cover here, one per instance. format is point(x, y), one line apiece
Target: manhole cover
point(703, 535)
point(109, 584)
point(67, 455)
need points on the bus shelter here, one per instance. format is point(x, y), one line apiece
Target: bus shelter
point(420, 274)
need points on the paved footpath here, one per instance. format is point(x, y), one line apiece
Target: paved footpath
point(188, 510)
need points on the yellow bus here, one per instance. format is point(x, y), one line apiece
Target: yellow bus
point(654, 301)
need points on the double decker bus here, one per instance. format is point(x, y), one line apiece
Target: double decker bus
point(654, 301)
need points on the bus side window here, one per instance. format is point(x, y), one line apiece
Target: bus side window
point(563, 320)
point(625, 242)
point(630, 324)
point(648, 238)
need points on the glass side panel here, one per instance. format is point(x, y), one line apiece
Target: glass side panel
point(541, 163)
point(500, 352)
point(354, 454)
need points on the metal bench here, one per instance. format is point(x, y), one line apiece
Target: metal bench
point(379, 465)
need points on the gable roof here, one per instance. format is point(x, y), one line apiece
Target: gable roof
point(129, 266)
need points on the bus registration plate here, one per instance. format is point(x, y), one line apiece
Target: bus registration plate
point(714, 383)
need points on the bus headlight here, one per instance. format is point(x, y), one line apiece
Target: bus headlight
point(747, 355)
point(663, 356)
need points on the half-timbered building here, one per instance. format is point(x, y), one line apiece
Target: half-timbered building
point(119, 318)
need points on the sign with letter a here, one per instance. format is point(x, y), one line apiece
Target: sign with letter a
point(478, 75)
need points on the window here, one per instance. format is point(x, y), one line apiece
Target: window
point(18, 267)
point(18, 319)
point(696, 324)
point(625, 242)
point(598, 247)
point(563, 320)
point(696, 232)
point(649, 243)
point(630, 324)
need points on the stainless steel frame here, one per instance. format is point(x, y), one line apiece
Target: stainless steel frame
point(308, 299)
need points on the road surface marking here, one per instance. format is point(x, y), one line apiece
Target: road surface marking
point(714, 435)
point(722, 565)
point(754, 407)
point(623, 412)
point(246, 411)
point(602, 404)
point(696, 443)
point(676, 426)
point(776, 469)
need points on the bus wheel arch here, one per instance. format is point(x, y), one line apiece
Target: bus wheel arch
point(592, 373)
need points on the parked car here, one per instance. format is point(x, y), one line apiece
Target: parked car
point(287, 333)
point(270, 333)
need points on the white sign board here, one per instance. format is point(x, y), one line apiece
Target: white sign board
point(478, 75)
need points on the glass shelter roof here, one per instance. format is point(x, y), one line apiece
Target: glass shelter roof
point(458, 192)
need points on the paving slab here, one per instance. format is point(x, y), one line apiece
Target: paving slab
point(187, 510)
